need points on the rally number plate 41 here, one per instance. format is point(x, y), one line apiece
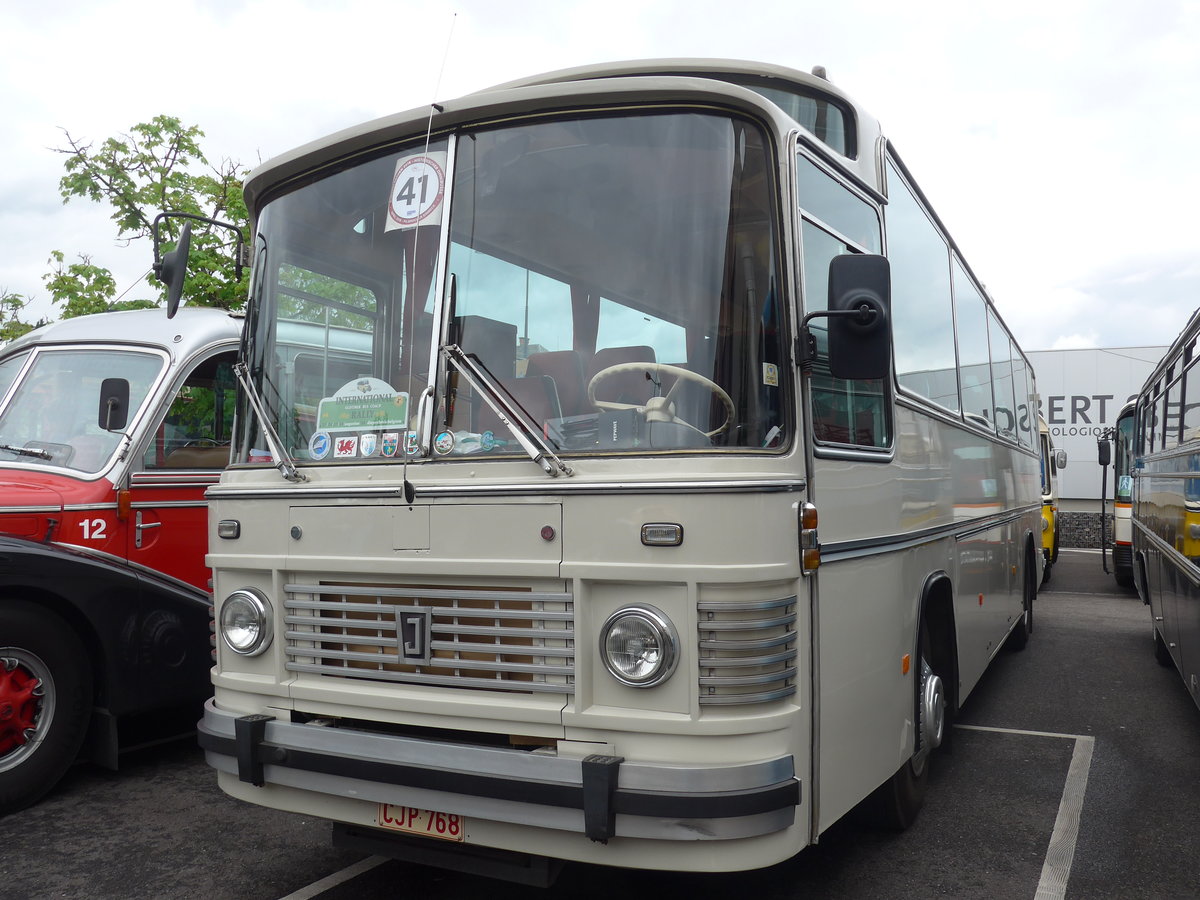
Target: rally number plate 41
point(427, 822)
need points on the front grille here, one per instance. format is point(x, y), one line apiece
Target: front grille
point(501, 639)
point(747, 651)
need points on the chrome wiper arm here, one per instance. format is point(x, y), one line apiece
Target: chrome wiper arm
point(25, 451)
point(509, 411)
point(283, 460)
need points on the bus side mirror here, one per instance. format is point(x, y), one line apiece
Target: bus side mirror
point(1104, 449)
point(173, 267)
point(1060, 458)
point(114, 404)
point(860, 327)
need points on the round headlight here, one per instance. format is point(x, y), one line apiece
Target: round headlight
point(639, 646)
point(246, 622)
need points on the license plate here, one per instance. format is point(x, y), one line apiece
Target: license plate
point(427, 822)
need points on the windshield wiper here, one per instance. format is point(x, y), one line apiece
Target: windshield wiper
point(283, 460)
point(508, 409)
point(25, 451)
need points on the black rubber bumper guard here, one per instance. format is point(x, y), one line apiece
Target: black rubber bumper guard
point(598, 796)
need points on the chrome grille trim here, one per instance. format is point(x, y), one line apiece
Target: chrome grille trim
point(510, 640)
point(747, 651)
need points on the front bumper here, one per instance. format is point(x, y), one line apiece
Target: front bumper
point(597, 796)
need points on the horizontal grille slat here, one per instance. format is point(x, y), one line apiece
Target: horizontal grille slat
point(762, 643)
point(437, 663)
point(743, 680)
point(747, 650)
point(460, 611)
point(709, 662)
point(459, 681)
point(504, 639)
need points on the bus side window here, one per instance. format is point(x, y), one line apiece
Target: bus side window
point(199, 424)
point(844, 411)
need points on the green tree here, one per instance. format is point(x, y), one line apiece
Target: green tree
point(157, 166)
point(81, 287)
point(11, 325)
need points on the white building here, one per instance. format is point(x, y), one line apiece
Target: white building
point(1081, 393)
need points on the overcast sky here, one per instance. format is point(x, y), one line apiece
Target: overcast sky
point(1057, 139)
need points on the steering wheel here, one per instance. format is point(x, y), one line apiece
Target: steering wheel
point(662, 409)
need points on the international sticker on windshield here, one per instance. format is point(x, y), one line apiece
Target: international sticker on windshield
point(364, 404)
point(426, 822)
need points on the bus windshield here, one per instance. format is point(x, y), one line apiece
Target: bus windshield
point(1123, 463)
point(51, 416)
point(616, 276)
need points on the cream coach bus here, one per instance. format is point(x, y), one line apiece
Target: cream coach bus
point(683, 489)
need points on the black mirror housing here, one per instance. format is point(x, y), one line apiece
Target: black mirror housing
point(114, 404)
point(173, 268)
point(860, 346)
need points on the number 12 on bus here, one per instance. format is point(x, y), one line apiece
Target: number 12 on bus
point(656, 527)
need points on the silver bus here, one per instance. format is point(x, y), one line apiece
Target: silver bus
point(683, 489)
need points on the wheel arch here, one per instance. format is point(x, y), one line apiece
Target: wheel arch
point(1140, 578)
point(936, 613)
point(71, 613)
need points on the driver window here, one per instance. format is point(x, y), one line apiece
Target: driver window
point(196, 431)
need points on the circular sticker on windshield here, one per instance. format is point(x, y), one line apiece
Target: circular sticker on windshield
point(418, 187)
point(444, 442)
point(319, 445)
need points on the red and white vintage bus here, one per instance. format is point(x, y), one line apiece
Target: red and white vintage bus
point(112, 427)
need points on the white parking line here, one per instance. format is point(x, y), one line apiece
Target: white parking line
point(319, 887)
point(1061, 853)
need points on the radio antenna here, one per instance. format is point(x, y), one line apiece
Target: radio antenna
point(410, 492)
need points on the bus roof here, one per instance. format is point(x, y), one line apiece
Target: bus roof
point(191, 329)
point(728, 82)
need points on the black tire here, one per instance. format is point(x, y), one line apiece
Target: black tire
point(895, 804)
point(1046, 570)
point(1018, 638)
point(1161, 652)
point(46, 686)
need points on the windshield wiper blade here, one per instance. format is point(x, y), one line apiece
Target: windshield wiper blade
point(283, 460)
point(508, 409)
point(26, 451)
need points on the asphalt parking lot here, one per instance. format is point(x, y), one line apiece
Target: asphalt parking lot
point(1075, 772)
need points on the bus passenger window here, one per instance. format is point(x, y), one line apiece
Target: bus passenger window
point(851, 412)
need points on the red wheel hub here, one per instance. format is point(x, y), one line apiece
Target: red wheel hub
point(18, 706)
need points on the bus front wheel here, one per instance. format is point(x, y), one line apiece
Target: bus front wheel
point(898, 800)
point(45, 702)
point(1161, 652)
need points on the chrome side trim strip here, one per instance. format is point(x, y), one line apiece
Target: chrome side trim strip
point(307, 492)
point(857, 549)
point(174, 504)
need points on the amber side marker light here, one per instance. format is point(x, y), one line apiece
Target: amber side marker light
point(810, 545)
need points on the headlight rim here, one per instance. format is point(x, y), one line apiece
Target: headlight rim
point(668, 640)
point(262, 610)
